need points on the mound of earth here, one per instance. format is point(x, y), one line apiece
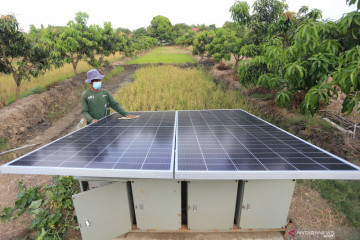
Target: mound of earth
point(20, 119)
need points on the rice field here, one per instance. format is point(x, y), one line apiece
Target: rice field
point(164, 55)
point(8, 86)
point(171, 88)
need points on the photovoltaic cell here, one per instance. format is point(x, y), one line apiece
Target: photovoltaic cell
point(233, 144)
point(109, 148)
point(204, 144)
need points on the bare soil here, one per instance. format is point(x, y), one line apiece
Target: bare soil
point(33, 119)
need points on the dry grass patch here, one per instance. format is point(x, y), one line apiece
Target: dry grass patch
point(171, 88)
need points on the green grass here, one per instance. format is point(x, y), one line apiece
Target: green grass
point(163, 55)
point(111, 74)
point(343, 194)
point(4, 145)
point(56, 112)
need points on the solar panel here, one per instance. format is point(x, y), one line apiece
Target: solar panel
point(203, 144)
point(233, 144)
point(142, 147)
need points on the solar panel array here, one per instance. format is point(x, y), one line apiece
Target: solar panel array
point(205, 144)
point(223, 144)
point(119, 146)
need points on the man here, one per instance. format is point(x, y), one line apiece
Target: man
point(96, 102)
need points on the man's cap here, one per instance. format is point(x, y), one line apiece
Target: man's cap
point(92, 75)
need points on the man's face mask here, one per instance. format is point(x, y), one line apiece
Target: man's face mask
point(97, 85)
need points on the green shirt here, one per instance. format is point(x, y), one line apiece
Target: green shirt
point(96, 105)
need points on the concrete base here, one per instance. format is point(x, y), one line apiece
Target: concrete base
point(201, 236)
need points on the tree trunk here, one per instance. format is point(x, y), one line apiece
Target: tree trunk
point(17, 82)
point(74, 64)
point(237, 60)
point(355, 126)
point(101, 60)
point(284, 42)
point(17, 91)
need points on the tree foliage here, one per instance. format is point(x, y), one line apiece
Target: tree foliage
point(107, 42)
point(77, 41)
point(187, 39)
point(179, 30)
point(266, 13)
point(160, 28)
point(140, 32)
point(346, 76)
point(240, 13)
point(231, 43)
point(22, 55)
point(201, 41)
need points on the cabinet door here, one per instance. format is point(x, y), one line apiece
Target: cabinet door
point(103, 213)
point(211, 204)
point(264, 203)
point(157, 204)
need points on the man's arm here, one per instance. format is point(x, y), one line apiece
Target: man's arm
point(116, 106)
point(85, 109)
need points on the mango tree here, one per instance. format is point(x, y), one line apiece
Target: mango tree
point(76, 43)
point(140, 32)
point(284, 28)
point(265, 13)
point(347, 74)
point(187, 39)
point(145, 43)
point(306, 63)
point(178, 31)
point(107, 42)
point(160, 28)
point(21, 55)
point(235, 43)
point(201, 41)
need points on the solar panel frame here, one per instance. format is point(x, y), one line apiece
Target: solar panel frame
point(97, 172)
point(244, 171)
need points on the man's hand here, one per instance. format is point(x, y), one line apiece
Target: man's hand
point(131, 116)
point(94, 120)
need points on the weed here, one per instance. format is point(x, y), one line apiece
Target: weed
point(111, 74)
point(56, 112)
point(267, 96)
point(343, 194)
point(33, 91)
point(4, 145)
point(51, 207)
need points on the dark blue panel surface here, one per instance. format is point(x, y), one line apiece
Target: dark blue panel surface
point(233, 140)
point(145, 143)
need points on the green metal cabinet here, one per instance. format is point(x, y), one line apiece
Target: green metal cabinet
point(157, 204)
point(263, 203)
point(104, 212)
point(211, 204)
